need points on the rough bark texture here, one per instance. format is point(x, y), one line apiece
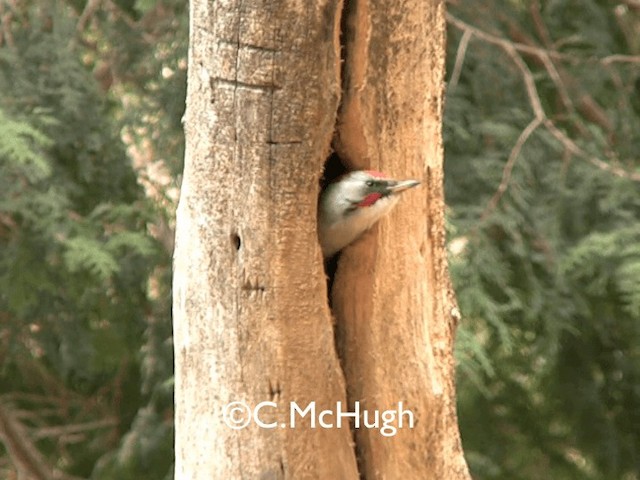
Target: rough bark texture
point(395, 312)
point(251, 321)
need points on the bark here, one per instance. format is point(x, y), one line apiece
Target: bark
point(251, 318)
point(395, 310)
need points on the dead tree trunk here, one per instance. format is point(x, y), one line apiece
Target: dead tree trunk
point(396, 313)
point(251, 317)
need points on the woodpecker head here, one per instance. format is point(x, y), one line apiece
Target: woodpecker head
point(352, 204)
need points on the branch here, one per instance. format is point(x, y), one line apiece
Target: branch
point(549, 66)
point(116, 11)
point(495, 40)
point(508, 168)
point(619, 58)
point(462, 50)
point(512, 50)
point(5, 22)
point(64, 430)
point(635, 4)
point(26, 458)
point(89, 10)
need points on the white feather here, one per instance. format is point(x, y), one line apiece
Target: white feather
point(338, 223)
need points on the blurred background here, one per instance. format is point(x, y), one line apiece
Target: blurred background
point(542, 138)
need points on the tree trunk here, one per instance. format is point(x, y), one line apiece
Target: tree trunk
point(251, 317)
point(396, 312)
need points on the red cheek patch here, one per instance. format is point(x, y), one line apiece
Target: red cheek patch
point(370, 199)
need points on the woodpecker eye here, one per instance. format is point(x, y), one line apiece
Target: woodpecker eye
point(369, 183)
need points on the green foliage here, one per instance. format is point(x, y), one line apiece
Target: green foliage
point(548, 278)
point(21, 148)
point(144, 451)
point(82, 337)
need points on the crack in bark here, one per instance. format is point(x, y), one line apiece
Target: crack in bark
point(235, 83)
point(350, 140)
point(275, 390)
point(352, 39)
point(249, 46)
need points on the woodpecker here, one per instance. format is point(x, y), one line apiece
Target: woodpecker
point(352, 204)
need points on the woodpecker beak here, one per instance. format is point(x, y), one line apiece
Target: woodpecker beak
point(395, 187)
